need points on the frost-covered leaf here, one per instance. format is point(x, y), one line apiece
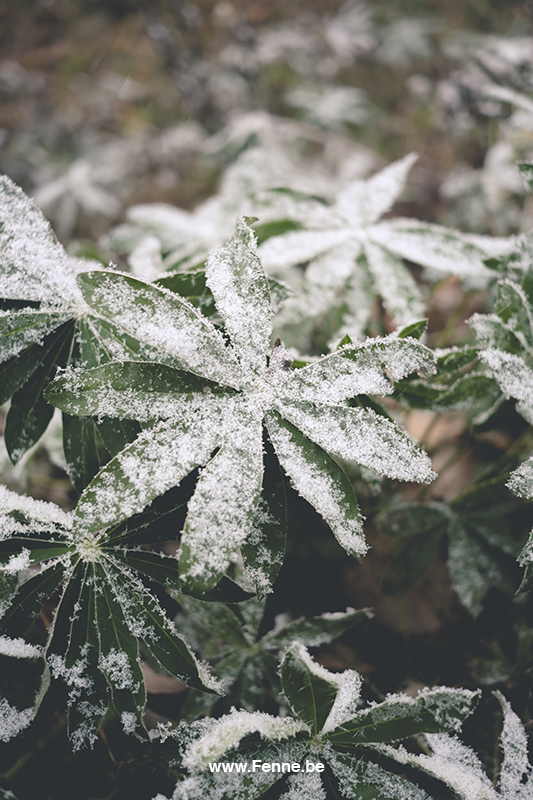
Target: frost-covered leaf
point(347, 746)
point(47, 324)
point(243, 659)
point(33, 265)
point(309, 688)
point(213, 416)
point(360, 434)
point(320, 480)
point(235, 276)
point(103, 610)
point(351, 256)
point(163, 321)
point(432, 711)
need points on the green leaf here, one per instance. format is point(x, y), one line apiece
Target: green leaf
point(433, 711)
point(116, 434)
point(366, 780)
point(217, 618)
point(88, 699)
point(20, 330)
point(35, 549)
point(309, 688)
point(319, 480)
point(162, 456)
point(162, 569)
point(361, 435)
point(223, 506)
point(144, 615)
point(133, 389)
point(315, 631)
point(30, 414)
point(164, 321)
point(264, 549)
point(242, 296)
point(119, 655)
point(191, 285)
point(360, 369)
point(81, 452)
point(226, 591)
point(27, 601)
point(414, 330)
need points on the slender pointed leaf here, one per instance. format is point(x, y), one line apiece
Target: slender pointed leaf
point(30, 414)
point(242, 295)
point(319, 480)
point(310, 689)
point(81, 452)
point(163, 320)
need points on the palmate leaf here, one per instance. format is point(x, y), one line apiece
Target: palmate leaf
point(246, 662)
point(48, 325)
point(477, 527)
point(103, 611)
point(459, 768)
point(353, 257)
point(207, 403)
point(331, 729)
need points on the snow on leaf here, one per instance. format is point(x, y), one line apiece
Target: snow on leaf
point(364, 202)
point(222, 508)
point(434, 246)
point(515, 766)
point(453, 763)
point(13, 721)
point(320, 481)
point(521, 480)
point(33, 265)
point(513, 375)
point(157, 460)
point(360, 369)
point(235, 276)
point(361, 435)
point(395, 284)
point(224, 733)
point(162, 320)
point(350, 227)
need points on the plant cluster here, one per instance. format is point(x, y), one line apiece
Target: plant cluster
point(271, 451)
point(186, 421)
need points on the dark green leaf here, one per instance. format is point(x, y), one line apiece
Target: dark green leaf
point(162, 569)
point(37, 549)
point(119, 655)
point(88, 697)
point(19, 330)
point(144, 614)
point(116, 434)
point(438, 710)
point(264, 549)
point(217, 618)
point(30, 414)
point(306, 686)
point(315, 631)
point(27, 601)
point(81, 452)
